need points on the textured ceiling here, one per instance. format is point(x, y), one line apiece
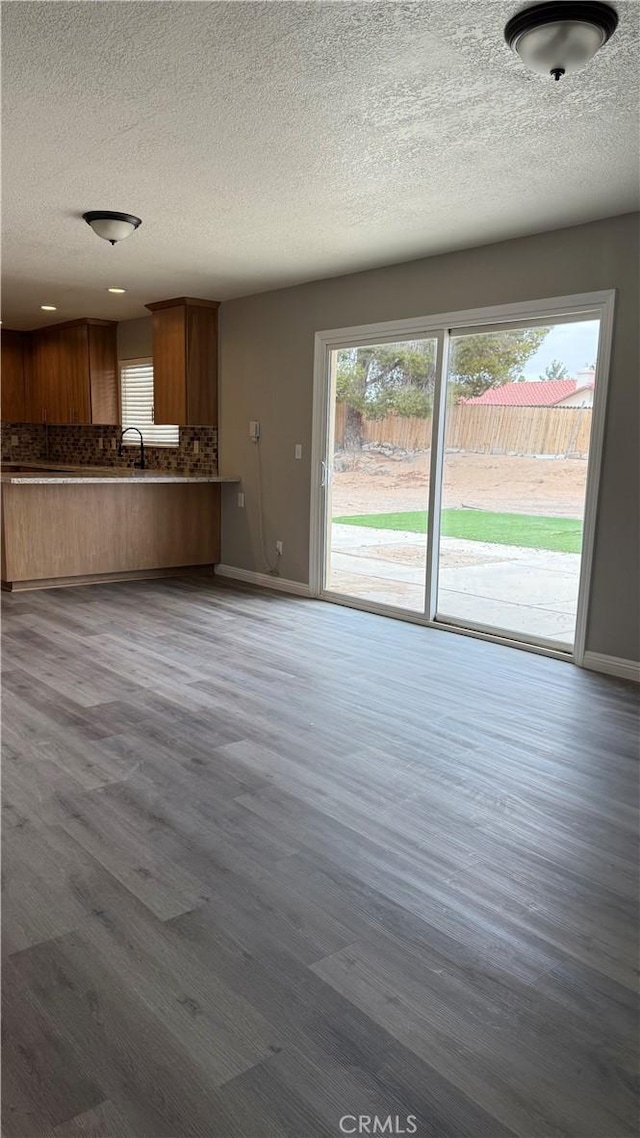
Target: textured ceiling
point(269, 143)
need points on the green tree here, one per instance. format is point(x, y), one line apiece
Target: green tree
point(555, 370)
point(399, 379)
point(490, 359)
point(384, 379)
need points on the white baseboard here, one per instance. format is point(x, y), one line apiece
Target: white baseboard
point(612, 666)
point(263, 580)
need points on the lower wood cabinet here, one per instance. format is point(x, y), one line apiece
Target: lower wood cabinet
point(60, 533)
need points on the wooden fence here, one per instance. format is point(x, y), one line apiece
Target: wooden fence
point(562, 431)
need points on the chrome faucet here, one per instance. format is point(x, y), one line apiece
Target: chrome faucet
point(140, 464)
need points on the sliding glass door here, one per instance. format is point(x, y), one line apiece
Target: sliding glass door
point(456, 467)
point(519, 404)
point(377, 471)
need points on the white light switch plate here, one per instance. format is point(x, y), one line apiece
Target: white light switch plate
point(298, 450)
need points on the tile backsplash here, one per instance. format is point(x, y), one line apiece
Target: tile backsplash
point(22, 442)
point(80, 446)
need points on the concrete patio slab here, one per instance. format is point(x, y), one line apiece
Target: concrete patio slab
point(527, 591)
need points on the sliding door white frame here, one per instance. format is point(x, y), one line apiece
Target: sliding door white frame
point(598, 305)
point(596, 442)
point(436, 465)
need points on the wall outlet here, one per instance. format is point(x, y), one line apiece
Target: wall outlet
point(254, 430)
point(101, 443)
point(14, 440)
point(298, 451)
point(113, 444)
point(241, 500)
point(196, 446)
point(279, 548)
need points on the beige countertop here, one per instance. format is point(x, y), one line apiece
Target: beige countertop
point(39, 473)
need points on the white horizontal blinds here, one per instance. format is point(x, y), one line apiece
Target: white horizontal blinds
point(136, 396)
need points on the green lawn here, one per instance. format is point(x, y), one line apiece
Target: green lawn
point(563, 535)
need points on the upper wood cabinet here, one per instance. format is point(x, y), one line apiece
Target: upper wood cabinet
point(72, 373)
point(12, 347)
point(185, 361)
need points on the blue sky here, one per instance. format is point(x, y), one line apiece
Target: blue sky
point(575, 345)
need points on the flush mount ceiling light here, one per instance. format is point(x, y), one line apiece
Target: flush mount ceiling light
point(558, 39)
point(111, 226)
point(118, 290)
point(48, 308)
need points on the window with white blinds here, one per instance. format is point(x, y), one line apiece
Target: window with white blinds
point(136, 400)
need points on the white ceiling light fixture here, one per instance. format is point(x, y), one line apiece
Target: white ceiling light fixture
point(116, 290)
point(560, 38)
point(112, 227)
point(48, 308)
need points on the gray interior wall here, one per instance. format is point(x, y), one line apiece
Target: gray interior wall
point(134, 339)
point(267, 344)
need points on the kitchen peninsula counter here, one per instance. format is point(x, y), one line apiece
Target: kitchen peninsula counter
point(17, 474)
point(66, 525)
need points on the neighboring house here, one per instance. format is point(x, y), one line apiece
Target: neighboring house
point(543, 393)
point(583, 394)
point(582, 397)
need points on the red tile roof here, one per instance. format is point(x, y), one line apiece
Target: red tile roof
point(543, 393)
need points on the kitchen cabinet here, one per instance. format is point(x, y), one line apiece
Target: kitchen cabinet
point(185, 361)
point(72, 373)
point(12, 346)
point(55, 376)
point(97, 529)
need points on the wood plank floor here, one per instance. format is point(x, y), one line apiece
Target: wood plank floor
point(269, 862)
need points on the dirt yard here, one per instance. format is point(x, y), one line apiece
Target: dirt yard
point(375, 483)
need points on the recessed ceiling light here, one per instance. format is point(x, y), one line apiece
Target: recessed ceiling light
point(118, 290)
point(48, 308)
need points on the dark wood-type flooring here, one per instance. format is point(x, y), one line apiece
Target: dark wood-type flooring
point(269, 862)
